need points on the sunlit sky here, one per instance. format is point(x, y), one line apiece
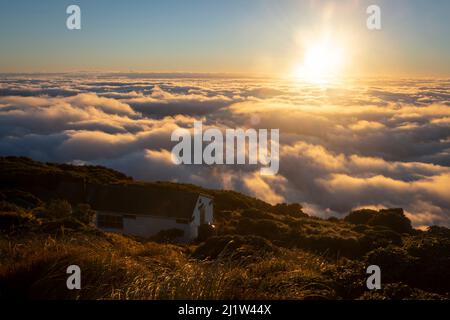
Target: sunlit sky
point(233, 36)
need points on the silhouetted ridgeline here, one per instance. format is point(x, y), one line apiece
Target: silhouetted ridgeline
point(87, 184)
point(260, 251)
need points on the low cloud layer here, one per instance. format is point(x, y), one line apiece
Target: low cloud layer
point(373, 143)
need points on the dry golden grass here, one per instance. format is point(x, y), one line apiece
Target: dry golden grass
point(117, 267)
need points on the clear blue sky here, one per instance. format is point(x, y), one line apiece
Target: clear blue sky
point(218, 36)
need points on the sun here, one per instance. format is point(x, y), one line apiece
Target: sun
point(322, 61)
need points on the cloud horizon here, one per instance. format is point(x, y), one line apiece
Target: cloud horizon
point(372, 143)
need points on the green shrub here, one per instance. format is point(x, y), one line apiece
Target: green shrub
point(439, 231)
point(293, 209)
point(395, 263)
point(347, 278)
point(378, 237)
point(394, 219)
point(55, 209)
point(168, 236)
point(61, 225)
point(20, 198)
point(360, 216)
point(266, 228)
point(433, 261)
point(12, 221)
point(253, 213)
point(83, 213)
point(332, 245)
point(10, 207)
point(428, 247)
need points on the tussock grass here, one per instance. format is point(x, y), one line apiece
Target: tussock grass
point(118, 267)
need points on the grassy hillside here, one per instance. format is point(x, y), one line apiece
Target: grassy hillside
point(260, 251)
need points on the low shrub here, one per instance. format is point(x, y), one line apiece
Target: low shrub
point(6, 206)
point(331, 245)
point(254, 213)
point(432, 252)
point(168, 236)
point(347, 278)
point(55, 209)
point(378, 237)
point(66, 224)
point(394, 219)
point(360, 216)
point(13, 221)
point(266, 228)
point(293, 209)
point(83, 213)
point(20, 198)
point(395, 263)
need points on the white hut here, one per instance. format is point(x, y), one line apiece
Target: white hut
point(148, 209)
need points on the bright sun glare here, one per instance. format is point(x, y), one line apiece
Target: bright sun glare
point(322, 61)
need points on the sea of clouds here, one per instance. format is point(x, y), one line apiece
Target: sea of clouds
point(365, 143)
